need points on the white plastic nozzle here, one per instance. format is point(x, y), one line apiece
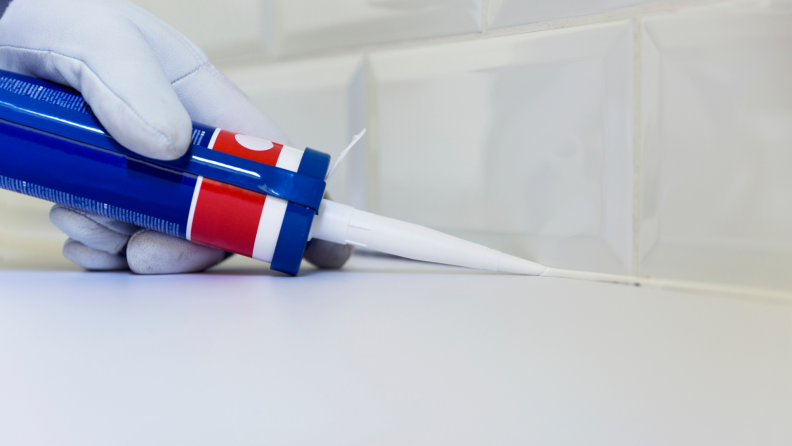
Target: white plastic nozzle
point(344, 224)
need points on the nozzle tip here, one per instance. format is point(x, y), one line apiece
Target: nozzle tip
point(515, 265)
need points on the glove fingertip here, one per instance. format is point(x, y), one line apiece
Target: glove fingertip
point(164, 137)
point(150, 252)
point(93, 259)
point(93, 231)
point(327, 255)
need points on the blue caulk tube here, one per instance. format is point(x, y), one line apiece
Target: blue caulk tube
point(231, 191)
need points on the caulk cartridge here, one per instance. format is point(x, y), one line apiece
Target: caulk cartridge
point(242, 194)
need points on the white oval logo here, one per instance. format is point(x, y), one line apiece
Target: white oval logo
point(253, 143)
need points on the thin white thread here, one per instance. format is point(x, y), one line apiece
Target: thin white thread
point(344, 153)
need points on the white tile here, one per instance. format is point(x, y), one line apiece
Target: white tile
point(310, 25)
point(523, 143)
point(221, 28)
point(319, 104)
point(717, 144)
point(505, 13)
point(27, 238)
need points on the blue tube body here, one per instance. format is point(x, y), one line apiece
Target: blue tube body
point(53, 148)
point(56, 169)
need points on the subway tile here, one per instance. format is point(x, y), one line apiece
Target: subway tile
point(27, 238)
point(298, 26)
point(716, 189)
point(524, 143)
point(317, 103)
point(506, 13)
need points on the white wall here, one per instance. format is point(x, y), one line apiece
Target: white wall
point(622, 136)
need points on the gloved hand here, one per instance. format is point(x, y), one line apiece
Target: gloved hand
point(145, 82)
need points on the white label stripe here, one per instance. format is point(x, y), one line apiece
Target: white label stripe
point(192, 206)
point(269, 228)
point(289, 159)
point(214, 138)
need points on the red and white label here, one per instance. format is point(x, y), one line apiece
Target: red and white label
point(236, 219)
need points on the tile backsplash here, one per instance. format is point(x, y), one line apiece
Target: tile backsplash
point(27, 238)
point(300, 26)
point(716, 192)
point(507, 13)
point(653, 141)
point(524, 143)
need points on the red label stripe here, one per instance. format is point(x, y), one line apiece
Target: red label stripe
point(236, 219)
point(227, 217)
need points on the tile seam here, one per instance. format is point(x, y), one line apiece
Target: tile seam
point(372, 138)
point(626, 13)
point(637, 142)
point(619, 14)
point(484, 17)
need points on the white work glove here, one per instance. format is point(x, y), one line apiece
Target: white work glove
point(145, 82)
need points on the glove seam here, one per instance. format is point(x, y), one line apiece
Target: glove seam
point(102, 82)
point(192, 72)
point(200, 59)
point(222, 78)
point(227, 81)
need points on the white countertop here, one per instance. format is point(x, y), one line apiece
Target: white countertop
point(385, 352)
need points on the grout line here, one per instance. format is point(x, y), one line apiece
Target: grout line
point(746, 292)
point(608, 16)
point(484, 17)
point(372, 139)
point(270, 20)
point(631, 12)
point(637, 143)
